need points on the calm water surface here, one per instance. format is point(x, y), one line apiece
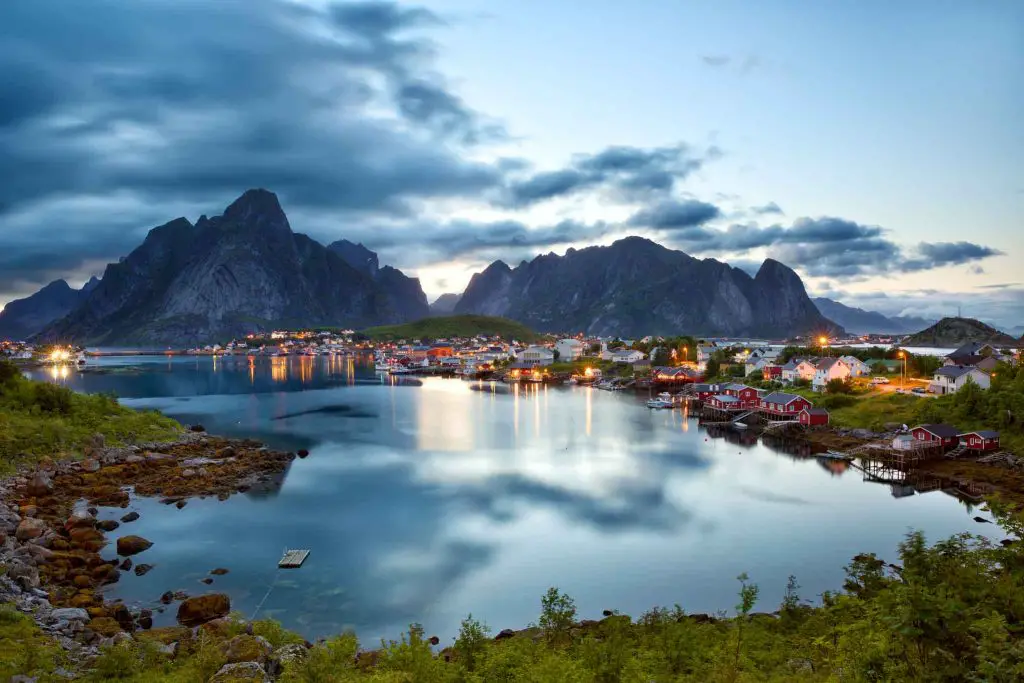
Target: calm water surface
point(423, 503)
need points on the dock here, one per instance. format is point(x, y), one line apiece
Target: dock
point(293, 559)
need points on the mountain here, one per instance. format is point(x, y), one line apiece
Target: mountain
point(404, 294)
point(954, 332)
point(448, 327)
point(444, 304)
point(23, 318)
point(636, 286)
point(859, 321)
point(241, 272)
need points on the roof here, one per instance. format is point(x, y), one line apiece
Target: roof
point(851, 359)
point(521, 366)
point(573, 342)
point(780, 397)
point(826, 363)
point(735, 387)
point(940, 430)
point(722, 398)
point(984, 433)
point(954, 371)
point(705, 387)
point(969, 349)
point(815, 411)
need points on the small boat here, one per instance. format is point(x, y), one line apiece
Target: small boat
point(381, 367)
point(399, 370)
point(739, 425)
point(835, 455)
point(659, 403)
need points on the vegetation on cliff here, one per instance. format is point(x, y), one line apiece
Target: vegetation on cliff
point(39, 419)
point(953, 332)
point(447, 327)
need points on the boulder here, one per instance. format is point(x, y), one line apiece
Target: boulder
point(127, 564)
point(219, 571)
point(203, 608)
point(131, 545)
point(142, 569)
point(130, 517)
point(107, 525)
point(40, 485)
point(70, 614)
point(90, 465)
point(24, 575)
point(198, 428)
point(302, 452)
point(247, 648)
point(105, 626)
point(505, 633)
point(287, 655)
point(244, 672)
point(80, 519)
point(29, 528)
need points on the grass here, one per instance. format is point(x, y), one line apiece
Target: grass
point(24, 649)
point(454, 326)
point(39, 419)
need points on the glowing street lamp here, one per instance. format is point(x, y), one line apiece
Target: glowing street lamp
point(903, 370)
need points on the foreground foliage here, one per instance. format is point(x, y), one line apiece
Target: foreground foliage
point(949, 612)
point(39, 419)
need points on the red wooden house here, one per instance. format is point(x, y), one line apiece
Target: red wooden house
point(747, 396)
point(705, 391)
point(771, 372)
point(782, 405)
point(940, 435)
point(724, 402)
point(813, 417)
point(983, 440)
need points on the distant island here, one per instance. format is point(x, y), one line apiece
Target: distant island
point(953, 332)
point(454, 326)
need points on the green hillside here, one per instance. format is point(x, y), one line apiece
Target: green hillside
point(454, 326)
point(953, 332)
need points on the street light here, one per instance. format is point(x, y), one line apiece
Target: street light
point(903, 375)
point(686, 354)
point(823, 343)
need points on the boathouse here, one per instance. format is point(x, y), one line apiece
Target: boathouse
point(724, 402)
point(813, 417)
point(747, 396)
point(780, 405)
point(982, 440)
point(705, 391)
point(941, 435)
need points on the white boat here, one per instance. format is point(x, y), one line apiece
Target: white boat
point(399, 370)
point(739, 425)
point(381, 367)
point(659, 403)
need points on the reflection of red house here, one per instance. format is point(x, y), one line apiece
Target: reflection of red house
point(936, 435)
point(781, 404)
point(747, 395)
point(984, 440)
point(771, 372)
point(813, 417)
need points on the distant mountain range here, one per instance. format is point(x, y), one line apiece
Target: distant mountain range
point(445, 304)
point(22, 318)
point(635, 286)
point(241, 272)
point(954, 332)
point(859, 321)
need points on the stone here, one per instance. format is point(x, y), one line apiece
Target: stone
point(30, 528)
point(302, 452)
point(146, 622)
point(226, 452)
point(127, 564)
point(505, 633)
point(82, 581)
point(132, 545)
point(607, 613)
point(171, 649)
point(188, 473)
point(98, 441)
point(241, 672)
point(434, 640)
point(247, 648)
point(198, 428)
point(167, 598)
point(134, 459)
point(207, 580)
point(219, 571)
point(180, 504)
point(40, 485)
point(90, 465)
point(70, 614)
point(107, 525)
point(203, 608)
point(130, 517)
point(289, 654)
point(982, 520)
point(142, 569)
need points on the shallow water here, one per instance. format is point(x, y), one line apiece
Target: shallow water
point(424, 503)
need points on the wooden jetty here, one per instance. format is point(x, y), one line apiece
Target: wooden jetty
point(293, 559)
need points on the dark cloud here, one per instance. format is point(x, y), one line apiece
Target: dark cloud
point(676, 215)
point(769, 208)
point(630, 172)
point(188, 104)
point(949, 253)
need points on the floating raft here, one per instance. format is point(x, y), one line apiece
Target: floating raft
point(293, 559)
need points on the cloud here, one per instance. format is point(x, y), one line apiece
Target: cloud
point(769, 208)
point(676, 215)
point(744, 66)
point(716, 60)
point(949, 253)
point(630, 172)
point(188, 104)
point(1001, 305)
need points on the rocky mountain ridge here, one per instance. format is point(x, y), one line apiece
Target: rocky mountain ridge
point(636, 286)
point(860, 321)
point(22, 318)
point(240, 272)
point(954, 332)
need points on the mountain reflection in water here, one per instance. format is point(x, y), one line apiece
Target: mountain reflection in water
point(424, 503)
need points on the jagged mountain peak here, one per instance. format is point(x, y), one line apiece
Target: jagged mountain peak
point(357, 255)
point(255, 202)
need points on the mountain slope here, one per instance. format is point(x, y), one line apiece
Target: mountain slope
point(859, 321)
point(404, 294)
point(953, 332)
point(636, 286)
point(444, 304)
point(240, 272)
point(23, 318)
point(447, 327)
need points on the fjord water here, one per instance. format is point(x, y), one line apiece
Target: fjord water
point(427, 500)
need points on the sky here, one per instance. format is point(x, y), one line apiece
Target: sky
point(875, 147)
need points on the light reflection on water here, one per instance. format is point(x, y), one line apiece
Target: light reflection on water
point(423, 503)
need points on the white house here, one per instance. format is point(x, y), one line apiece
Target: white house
point(755, 365)
point(536, 355)
point(704, 355)
point(951, 378)
point(798, 369)
point(628, 356)
point(828, 369)
point(569, 349)
point(858, 368)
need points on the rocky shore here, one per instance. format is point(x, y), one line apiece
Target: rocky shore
point(56, 558)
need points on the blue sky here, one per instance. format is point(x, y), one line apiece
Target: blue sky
point(888, 134)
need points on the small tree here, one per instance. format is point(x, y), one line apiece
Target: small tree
point(839, 386)
point(748, 596)
point(557, 615)
point(472, 639)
